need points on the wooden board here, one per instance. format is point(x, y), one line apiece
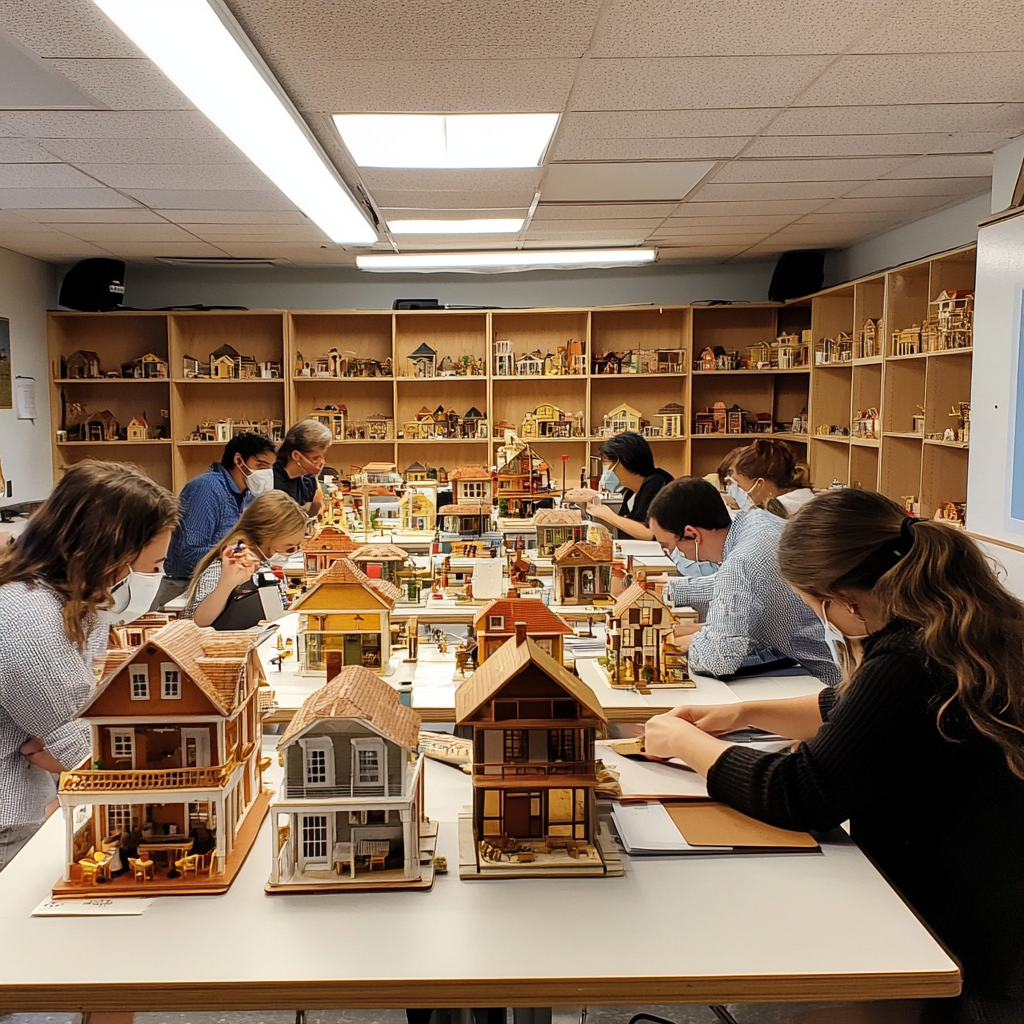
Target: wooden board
point(705, 823)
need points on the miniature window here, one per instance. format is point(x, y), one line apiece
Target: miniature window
point(369, 768)
point(544, 645)
point(562, 745)
point(357, 817)
point(122, 744)
point(516, 747)
point(645, 616)
point(318, 766)
point(314, 837)
point(495, 621)
point(564, 709)
point(505, 710)
point(650, 637)
point(171, 677)
point(473, 489)
point(119, 819)
point(140, 682)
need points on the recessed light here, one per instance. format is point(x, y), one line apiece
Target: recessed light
point(496, 262)
point(200, 47)
point(446, 140)
point(479, 226)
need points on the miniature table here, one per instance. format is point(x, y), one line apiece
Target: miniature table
point(174, 851)
point(715, 930)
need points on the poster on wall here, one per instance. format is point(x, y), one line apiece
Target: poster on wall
point(5, 364)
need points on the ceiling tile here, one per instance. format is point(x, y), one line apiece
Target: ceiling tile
point(697, 228)
point(49, 175)
point(681, 83)
point(56, 198)
point(123, 84)
point(924, 26)
point(65, 28)
point(955, 165)
point(484, 199)
point(748, 208)
point(738, 191)
point(922, 187)
point(583, 125)
point(385, 179)
point(180, 176)
point(304, 30)
point(21, 151)
point(806, 169)
point(668, 28)
point(185, 216)
point(697, 253)
point(886, 204)
point(145, 151)
point(144, 250)
point(623, 181)
point(470, 86)
point(307, 232)
point(127, 215)
point(602, 211)
point(745, 222)
point(52, 247)
point(917, 78)
point(450, 243)
point(222, 199)
point(109, 124)
point(105, 234)
point(650, 149)
point(847, 145)
point(899, 118)
point(638, 226)
point(682, 238)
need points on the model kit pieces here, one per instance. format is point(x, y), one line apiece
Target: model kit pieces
point(349, 815)
point(173, 796)
point(637, 639)
point(334, 364)
point(555, 527)
point(583, 572)
point(549, 421)
point(344, 610)
point(496, 622)
point(534, 772)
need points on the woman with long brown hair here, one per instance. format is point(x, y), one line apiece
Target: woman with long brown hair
point(922, 746)
point(767, 474)
point(101, 520)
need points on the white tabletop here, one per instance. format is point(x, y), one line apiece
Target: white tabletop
point(672, 930)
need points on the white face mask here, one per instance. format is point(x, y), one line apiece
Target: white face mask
point(133, 596)
point(740, 496)
point(278, 558)
point(609, 482)
point(259, 481)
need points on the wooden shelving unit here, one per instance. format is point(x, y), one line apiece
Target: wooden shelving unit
point(901, 462)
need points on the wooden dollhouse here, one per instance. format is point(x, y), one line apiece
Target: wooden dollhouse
point(323, 550)
point(638, 651)
point(954, 317)
point(137, 429)
point(503, 361)
point(146, 367)
point(471, 484)
point(865, 341)
point(867, 424)
point(496, 621)
point(530, 364)
point(344, 610)
point(583, 572)
point(82, 365)
point(349, 815)
point(556, 526)
point(417, 511)
point(469, 519)
point(621, 419)
point(673, 420)
point(534, 773)
point(422, 361)
point(333, 418)
point(907, 341)
point(523, 479)
point(549, 421)
point(380, 561)
point(172, 796)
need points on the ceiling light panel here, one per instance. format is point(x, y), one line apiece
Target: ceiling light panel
point(446, 140)
point(500, 261)
point(482, 226)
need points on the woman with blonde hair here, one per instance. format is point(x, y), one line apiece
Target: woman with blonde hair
point(102, 522)
point(269, 530)
point(766, 474)
point(921, 747)
point(299, 461)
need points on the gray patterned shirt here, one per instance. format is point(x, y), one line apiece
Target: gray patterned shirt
point(44, 681)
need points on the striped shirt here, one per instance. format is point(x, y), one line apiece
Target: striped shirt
point(752, 616)
point(44, 681)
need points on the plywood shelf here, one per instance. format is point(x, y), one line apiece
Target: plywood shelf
point(865, 442)
point(729, 373)
point(111, 380)
point(228, 383)
point(113, 444)
point(829, 439)
point(955, 445)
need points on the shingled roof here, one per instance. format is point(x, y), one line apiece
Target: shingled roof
point(505, 664)
point(557, 517)
point(380, 553)
point(330, 538)
point(345, 571)
point(356, 692)
point(470, 473)
point(599, 552)
point(466, 509)
point(631, 595)
point(539, 618)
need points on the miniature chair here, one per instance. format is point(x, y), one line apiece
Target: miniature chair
point(378, 858)
point(142, 870)
point(90, 870)
point(112, 848)
point(207, 861)
point(190, 862)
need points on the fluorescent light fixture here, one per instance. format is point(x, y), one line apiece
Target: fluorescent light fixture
point(201, 48)
point(446, 140)
point(481, 226)
point(531, 259)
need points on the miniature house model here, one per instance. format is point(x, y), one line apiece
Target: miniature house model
point(523, 479)
point(173, 791)
point(583, 572)
point(380, 561)
point(496, 622)
point(138, 429)
point(82, 364)
point(504, 364)
point(323, 550)
point(349, 814)
point(673, 420)
point(418, 512)
point(422, 361)
point(471, 484)
point(638, 651)
point(555, 526)
point(549, 421)
point(344, 610)
point(620, 419)
point(534, 774)
point(469, 519)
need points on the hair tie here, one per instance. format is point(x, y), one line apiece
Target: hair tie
point(906, 535)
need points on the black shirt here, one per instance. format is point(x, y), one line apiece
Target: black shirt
point(942, 818)
point(300, 488)
point(648, 489)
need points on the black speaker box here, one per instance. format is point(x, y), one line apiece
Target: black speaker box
point(93, 286)
point(798, 272)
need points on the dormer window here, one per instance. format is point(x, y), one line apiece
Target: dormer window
point(496, 622)
point(171, 681)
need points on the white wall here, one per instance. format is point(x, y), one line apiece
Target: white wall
point(1005, 168)
point(26, 290)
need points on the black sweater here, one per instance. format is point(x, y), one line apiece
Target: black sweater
point(942, 819)
point(644, 496)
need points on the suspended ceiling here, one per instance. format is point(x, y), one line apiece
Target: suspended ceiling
point(714, 129)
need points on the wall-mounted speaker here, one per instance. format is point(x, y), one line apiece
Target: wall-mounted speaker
point(798, 272)
point(93, 286)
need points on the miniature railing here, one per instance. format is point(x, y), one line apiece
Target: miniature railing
point(212, 777)
point(344, 792)
point(512, 769)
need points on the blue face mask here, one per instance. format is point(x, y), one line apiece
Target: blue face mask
point(689, 566)
point(740, 496)
point(609, 481)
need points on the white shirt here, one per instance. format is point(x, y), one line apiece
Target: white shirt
point(793, 501)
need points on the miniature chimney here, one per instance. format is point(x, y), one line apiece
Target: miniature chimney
point(520, 633)
point(333, 664)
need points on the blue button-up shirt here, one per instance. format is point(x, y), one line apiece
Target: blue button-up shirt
point(210, 507)
point(752, 616)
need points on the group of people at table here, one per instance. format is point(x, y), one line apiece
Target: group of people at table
point(916, 739)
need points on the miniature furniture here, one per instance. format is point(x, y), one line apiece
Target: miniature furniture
point(142, 869)
point(342, 858)
point(190, 862)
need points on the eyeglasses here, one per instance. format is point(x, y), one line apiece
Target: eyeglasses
point(263, 464)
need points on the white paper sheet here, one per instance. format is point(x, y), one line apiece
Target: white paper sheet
point(115, 906)
point(25, 390)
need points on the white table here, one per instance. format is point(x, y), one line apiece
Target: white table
point(688, 930)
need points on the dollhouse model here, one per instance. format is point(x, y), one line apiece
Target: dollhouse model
point(534, 773)
point(334, 364)
point(172, 797)
point(227, 364)
point(530, 364)
point(638, 651)
point(333, 418)
point(496, 622)
point(468, 519)
point(952, 512)
point(380, 477)
point(422, 361)
point(416, 473)
point(125, 635)
point(824, 351)
point(428, 425)
point(954, 317)
point(523, 479)
point(137, 429)
point(557, 526)
point(101, 426)
point(906, 342)
point(349, 815)
point(323, 550)
point(472, 484)
point(583, 572)
point(640, 360)
point(867, 425)
point(865, 341)
point(380, 561)
point(502, 358)
point(549, 421)
point(225, 430)
point(621, 419)
point(673, 420)
point(82, 365)
point(417, 511)
point(344, 610)
point(608, 363)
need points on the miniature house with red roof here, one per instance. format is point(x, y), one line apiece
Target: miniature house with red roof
point(380, 561)
point(496, 621)
point(349, 814)
point(172, 797)
point(583, 572)
point(534, 773)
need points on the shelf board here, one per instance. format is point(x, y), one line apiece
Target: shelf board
point(360, 380)
point(110, 380)
point(97, 444)
point(548, 377)
point(788, 435)
point(481, 379)
point(868, 361)
point(598, 439)
point(834, 366)
point(436, 440)
point(865, 442)
point(245, 380)
point(725, 373)
point(726, 437)
point(952, 352)
point(958, 445)
point(901, 359)
point(830, 439)
point(616, 376)
point(909, 434)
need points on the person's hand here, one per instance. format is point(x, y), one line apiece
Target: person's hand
point(686, 628)
point(599, 511)
point(34, 751)
point(237, 566)
point(665, 735)
point(714, 719)
point(681, 643)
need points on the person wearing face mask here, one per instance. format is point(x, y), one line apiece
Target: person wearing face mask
point(920, 748)
point(767, 475)
point(270, 529)
point(55, 581)
point(628, 463)
point(299, 461)
point(752, 620)
point(211, 505)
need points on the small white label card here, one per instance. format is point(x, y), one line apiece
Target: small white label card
point(116, 906)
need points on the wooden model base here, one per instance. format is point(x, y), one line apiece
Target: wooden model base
point(557, 864)
point(372, 881)
point(186, 885)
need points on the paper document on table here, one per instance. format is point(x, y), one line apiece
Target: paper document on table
point(117, 906)
point(639, 547)
point(648, 828)
point(651, 780)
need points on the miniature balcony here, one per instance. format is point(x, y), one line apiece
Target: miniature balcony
point(348, 792)
point(517, 769)
point(212, 777)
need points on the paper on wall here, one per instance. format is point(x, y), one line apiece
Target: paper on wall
point(26, 398)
